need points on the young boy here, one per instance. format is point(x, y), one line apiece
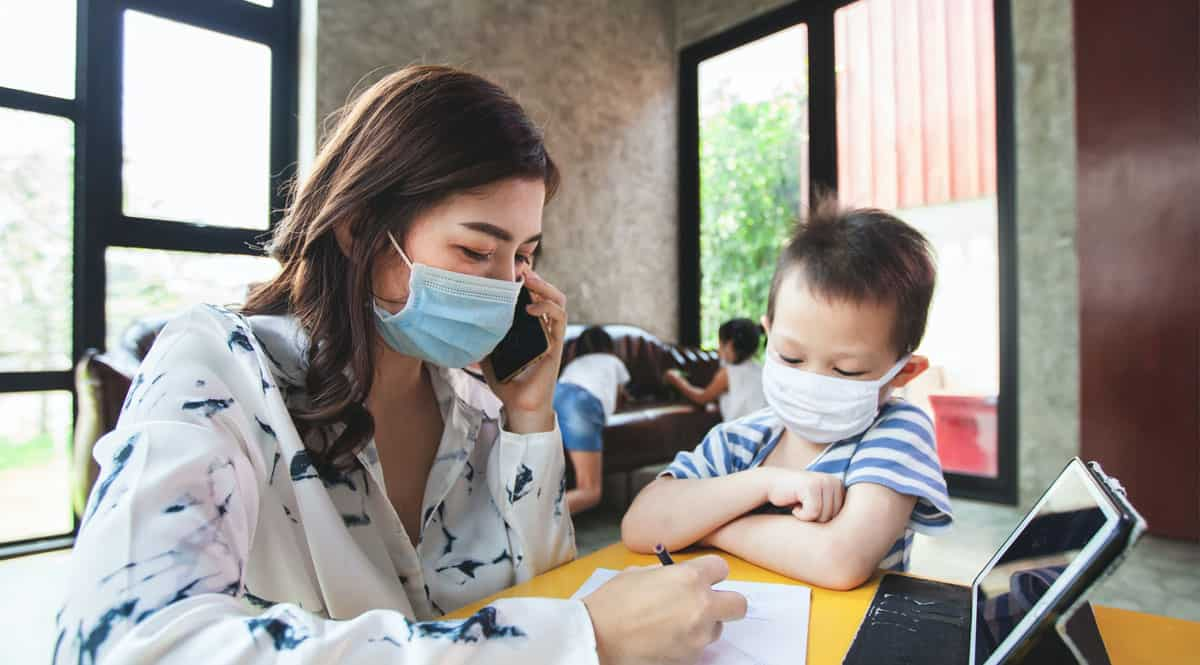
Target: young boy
point(829, 482)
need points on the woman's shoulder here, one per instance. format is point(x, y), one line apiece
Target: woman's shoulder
point(203, 329)
point(220, 338)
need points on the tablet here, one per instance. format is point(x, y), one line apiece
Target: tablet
point(1079, 527)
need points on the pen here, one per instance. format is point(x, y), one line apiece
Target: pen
point(663, 555)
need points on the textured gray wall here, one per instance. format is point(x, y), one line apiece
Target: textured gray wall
point(599, 76)
point(1047, 267)
point(697, 19)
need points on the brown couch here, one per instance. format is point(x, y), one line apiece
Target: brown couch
point(649, 429)
point(657, 422)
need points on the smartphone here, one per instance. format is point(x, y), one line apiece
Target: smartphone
point(525, 343)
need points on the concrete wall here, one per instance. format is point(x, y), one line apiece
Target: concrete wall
point(1048, 287)
point(599, 76)
point(698, 19)
point(1047, 265)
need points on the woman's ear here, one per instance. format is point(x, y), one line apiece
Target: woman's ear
point(912, 369)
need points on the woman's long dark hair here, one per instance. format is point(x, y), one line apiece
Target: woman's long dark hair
point(405, 144)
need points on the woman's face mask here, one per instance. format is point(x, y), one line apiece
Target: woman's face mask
point(451, 319)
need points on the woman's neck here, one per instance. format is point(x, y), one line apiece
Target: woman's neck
point(397, 377)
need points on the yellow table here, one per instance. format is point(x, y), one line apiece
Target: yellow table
point(1132, 638)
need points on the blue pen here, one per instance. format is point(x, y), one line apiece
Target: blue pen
point(663, 555)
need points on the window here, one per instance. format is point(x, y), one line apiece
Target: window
point(903, 105)
point(916, 133)
point(127, 206)
point(753, 170)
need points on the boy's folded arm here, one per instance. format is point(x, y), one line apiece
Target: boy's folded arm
point(680, 512)
point(839, 554)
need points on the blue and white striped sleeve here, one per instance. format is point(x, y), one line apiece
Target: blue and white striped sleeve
point(899, 453)
point(727, 448)
point(708, 460)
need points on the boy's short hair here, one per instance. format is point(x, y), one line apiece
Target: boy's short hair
point(862, 255)
point(594, 339)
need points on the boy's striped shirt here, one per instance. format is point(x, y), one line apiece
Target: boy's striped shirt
point(897, 451)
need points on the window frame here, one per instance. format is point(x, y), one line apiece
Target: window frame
point(822, 123)
point(99, 221)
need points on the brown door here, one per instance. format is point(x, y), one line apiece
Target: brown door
point(1138, 124)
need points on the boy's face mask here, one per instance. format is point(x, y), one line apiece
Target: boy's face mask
point(822, 409)
point(451, 319)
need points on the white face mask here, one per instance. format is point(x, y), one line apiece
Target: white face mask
point(818, 408)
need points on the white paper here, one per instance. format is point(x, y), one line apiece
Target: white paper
point(774, 632)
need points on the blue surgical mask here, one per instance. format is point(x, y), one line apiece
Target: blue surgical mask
point(450, 319)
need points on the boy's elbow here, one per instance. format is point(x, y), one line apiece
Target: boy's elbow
point(846, 576)
point(634, 534)
point(848, 568)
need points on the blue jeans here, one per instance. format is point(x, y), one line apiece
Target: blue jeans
point(580, 417)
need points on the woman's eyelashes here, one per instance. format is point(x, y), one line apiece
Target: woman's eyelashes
point(477, 256)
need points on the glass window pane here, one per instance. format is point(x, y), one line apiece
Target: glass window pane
point(34, 465)
point(917, 136)
point(196, 125)
point(37, 46)
point(753, 170)
point(155, 283)
point(36, 171)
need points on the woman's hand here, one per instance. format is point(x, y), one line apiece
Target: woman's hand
point(666, 614)
point(813, 496)
point(529, 397)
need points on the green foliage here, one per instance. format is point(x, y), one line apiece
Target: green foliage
point(750, 170)
point(23, 454)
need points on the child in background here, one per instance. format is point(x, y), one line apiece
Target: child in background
point(853, 471)
point(585, 397)
point(737, 386)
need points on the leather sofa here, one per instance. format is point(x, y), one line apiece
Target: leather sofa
point(657, 422)
point(648, 429)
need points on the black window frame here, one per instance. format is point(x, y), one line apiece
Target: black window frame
point(99, 222)
point(822, 100)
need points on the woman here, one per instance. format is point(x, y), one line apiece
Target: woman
point(737, 385)
point(306, 481)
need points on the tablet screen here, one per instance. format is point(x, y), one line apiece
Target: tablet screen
point(1036, 564)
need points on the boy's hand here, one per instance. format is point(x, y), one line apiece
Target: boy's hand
point(814, 497)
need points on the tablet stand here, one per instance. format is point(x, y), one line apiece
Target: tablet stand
point(1076, 640)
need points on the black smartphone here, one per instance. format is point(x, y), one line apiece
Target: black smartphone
point(525, 343)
